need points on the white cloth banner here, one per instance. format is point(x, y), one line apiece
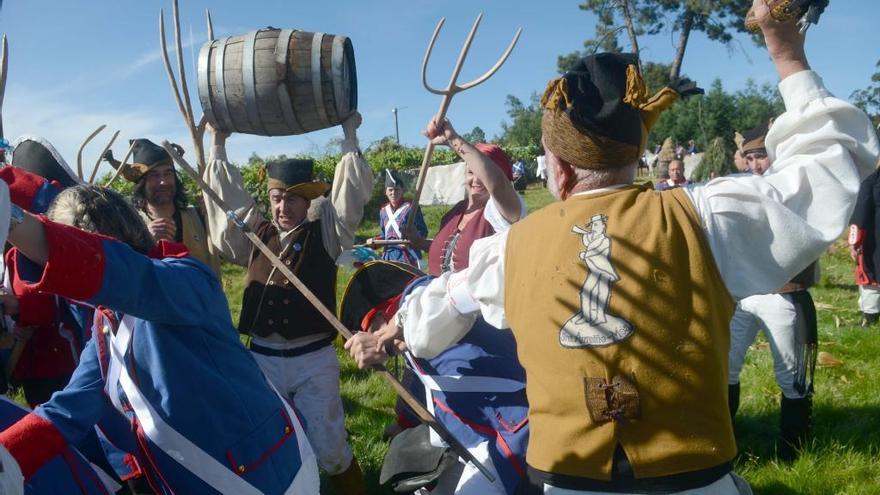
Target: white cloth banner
point(444, 185)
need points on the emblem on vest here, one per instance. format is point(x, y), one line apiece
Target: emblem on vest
point(593, 325)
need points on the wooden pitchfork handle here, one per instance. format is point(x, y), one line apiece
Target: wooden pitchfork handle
point(451, 90)
point(424, 415)
point(4, 69)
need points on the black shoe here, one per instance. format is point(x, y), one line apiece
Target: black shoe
point(869, 319)
point(795, 424)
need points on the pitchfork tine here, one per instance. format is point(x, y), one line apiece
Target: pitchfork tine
point(79, 153)
point(494, 68)
point(463, 55)
point(4, 69)
point(428, 57)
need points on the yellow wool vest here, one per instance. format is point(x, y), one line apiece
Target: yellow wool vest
point(622, 323)
point(195, 237)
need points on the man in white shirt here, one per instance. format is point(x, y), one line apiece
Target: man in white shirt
point(637, 402)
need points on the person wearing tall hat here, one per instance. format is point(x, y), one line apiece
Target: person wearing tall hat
point(788, 319)
point(289, 338)
point(393, 217)
point(628, 393)
point(160, 198)
point(864, 240)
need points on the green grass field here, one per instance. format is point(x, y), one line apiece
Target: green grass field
point(842, 458)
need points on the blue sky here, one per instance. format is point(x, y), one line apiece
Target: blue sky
point(76, 64)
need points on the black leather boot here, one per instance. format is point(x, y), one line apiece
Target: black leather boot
point(795, 424)
point(869, 319)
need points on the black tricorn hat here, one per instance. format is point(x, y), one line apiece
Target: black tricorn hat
point(36, 155)
point(371, 285)
point(145, 155)
point(295, 176)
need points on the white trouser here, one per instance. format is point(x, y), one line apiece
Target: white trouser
point(724, 486)
point(869, 299)
point(311, 381)
point(780, 320)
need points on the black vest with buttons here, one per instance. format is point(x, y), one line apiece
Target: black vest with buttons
point(271, 304)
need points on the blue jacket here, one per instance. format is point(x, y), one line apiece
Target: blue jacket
point(403, 254)
point(184, 357)
point(477, 387)
point(68, 472)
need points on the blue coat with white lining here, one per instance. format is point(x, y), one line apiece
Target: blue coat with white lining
point(204, 390)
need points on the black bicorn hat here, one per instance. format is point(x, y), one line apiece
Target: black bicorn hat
point(295, 176)
point(393, 178)
point(371, 285)
point(145, 155)
point(38, 156)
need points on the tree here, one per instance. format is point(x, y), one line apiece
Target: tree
point(868, 99)
point(477, 135)
point(524, 128)
point(718, 19)
point(717, 114)
point(607, 29)
point(717, 161)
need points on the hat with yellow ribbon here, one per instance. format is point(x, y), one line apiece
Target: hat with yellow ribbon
point(598, 115)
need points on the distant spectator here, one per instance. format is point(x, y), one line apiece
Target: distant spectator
point(542, 169)
point(676, 176)
point(692, 147)
point(864, 238)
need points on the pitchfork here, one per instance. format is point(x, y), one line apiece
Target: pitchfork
point(451, 90)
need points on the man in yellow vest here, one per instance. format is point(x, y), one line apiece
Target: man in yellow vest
point(620, 296)
point(159, 196)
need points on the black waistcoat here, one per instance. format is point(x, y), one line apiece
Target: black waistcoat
point(271, 304)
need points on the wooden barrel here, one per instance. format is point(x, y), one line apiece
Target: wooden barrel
point(277, 82)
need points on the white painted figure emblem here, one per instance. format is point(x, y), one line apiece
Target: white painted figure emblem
point(593, 325)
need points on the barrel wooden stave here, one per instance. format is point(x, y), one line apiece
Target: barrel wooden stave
point(286, 98)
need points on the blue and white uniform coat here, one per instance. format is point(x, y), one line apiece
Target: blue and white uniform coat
point(391, 225)
point(168, 356)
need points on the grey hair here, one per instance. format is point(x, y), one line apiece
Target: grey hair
point(103, 211)
point(588, 179)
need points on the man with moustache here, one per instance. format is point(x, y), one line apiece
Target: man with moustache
point(160, 198)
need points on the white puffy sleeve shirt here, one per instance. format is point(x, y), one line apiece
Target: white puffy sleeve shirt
point(762, 230)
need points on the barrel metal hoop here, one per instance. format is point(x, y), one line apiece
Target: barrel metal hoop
point(223, 116)
point(316, 79)
point(250, 83)
point(204, 84)
point(337, 59)
point(282, 49)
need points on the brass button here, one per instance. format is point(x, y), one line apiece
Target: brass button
point(286, 301)
point(270, 322)
point(241, 468)
point(286, 282)
point(270, 303)
point(271, 282)
point(284, 321)
point(286, 430)
point(287, 262)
